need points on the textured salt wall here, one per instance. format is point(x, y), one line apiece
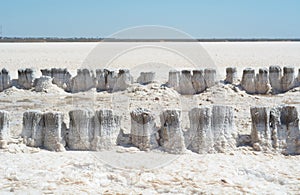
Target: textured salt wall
point(4, 125)
point(83, 81)
point(212, 129)
point(189, 82)
point(170, 133)
point(146, 78)
point(33, 128)
point(61, 77)
point(44, 130)
point(143, 129)
point(81, 128)
point(276, 129)
point(5, 81)
point(26, 78)
point(231, 75)
point(107, 127)
point(288, 79)
point(248, 80)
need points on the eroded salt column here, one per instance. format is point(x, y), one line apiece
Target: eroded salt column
point(83, 81)
point(171, 135)
point(101, 77)
point(146, 78)
point(81, 129)
point(33, 128)
point(297, 80)
point(123, 80)
point(231, 75)
point(248, 80)
point(224, 128)
point(212, 129)
point(185, 83)
point(173, 81)
point(276, 128)
point(199, 138)
point(143, 130)
point(275, 75)
point(26, 78)
point(288, 134)
point(261, 135)
point(210, 76)
point(111, 80)
point(54, 131)
point(4, 125)
point(198, 81)
point(5, 81)
point(43, 84)
point(262, 81)
point(288, 79)
point(107, 128)
point(61, 77)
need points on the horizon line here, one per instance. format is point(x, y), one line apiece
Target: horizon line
point(95, 39)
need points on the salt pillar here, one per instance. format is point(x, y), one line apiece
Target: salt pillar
point(231, 75)
point(171, 135)
point(275, 75)
point(262, 81)
point(248, 80)
point(198, 81)
point(210, 77)
point(146, 78)
point(81, 128)
point(143, 131)
point(54, 131)
point(107, 128)
point(33, 128)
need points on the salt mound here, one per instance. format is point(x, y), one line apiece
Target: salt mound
point(44, 84)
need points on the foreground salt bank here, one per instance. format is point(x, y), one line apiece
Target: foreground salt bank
point(212, 129)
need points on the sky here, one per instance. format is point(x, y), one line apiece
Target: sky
point(198, 18)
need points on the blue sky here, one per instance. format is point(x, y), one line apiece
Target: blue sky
point(199, 18)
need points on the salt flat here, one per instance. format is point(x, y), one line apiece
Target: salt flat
point(238, 172)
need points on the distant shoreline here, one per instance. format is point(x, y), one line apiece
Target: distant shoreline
point(30, 39)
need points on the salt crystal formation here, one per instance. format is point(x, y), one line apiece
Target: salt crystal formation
point(44, 130)
point(262, 85)
point(189, 82)
point(282, 83)
point(255, 84)
point(275, 79)
point(26, 78)
point(5, 81)
point(146, 78)
point(210, 77)
point(143, 129)
point(43, 84)
point(81, 129)
point(54, 129)
point(61, 77)
point(212, 129)
point(173, 81)
point(276, 129)
point(107, 127)
point(33, 128)
point(231, 75)
point(83, 81)
point(110, 80)
point(4, 125)
point(288, 79)
point(198, 81)
point(170, 134)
